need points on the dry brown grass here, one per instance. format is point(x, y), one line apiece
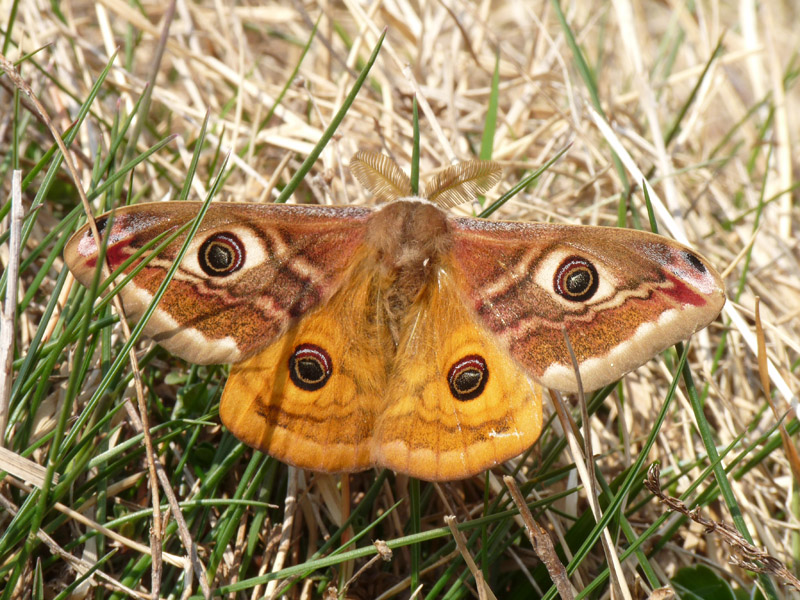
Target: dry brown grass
point(726, 176)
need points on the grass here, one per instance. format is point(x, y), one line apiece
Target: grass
point(702, 105)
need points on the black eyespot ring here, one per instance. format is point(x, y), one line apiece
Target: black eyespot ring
point(101, 225)
point(468, 377)
point(576, 279)
point(221, 254)
point(695, 262)
point(310, 367)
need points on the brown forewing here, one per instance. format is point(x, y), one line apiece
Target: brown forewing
point(501, 264)
point(299, 254)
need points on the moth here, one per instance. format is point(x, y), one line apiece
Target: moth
point(398, 335)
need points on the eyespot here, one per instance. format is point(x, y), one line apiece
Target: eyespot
point(694, 261)
point(310, 367)
point(101, 225)
point(576, 279)
point(221, 254)
point(468, 377)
